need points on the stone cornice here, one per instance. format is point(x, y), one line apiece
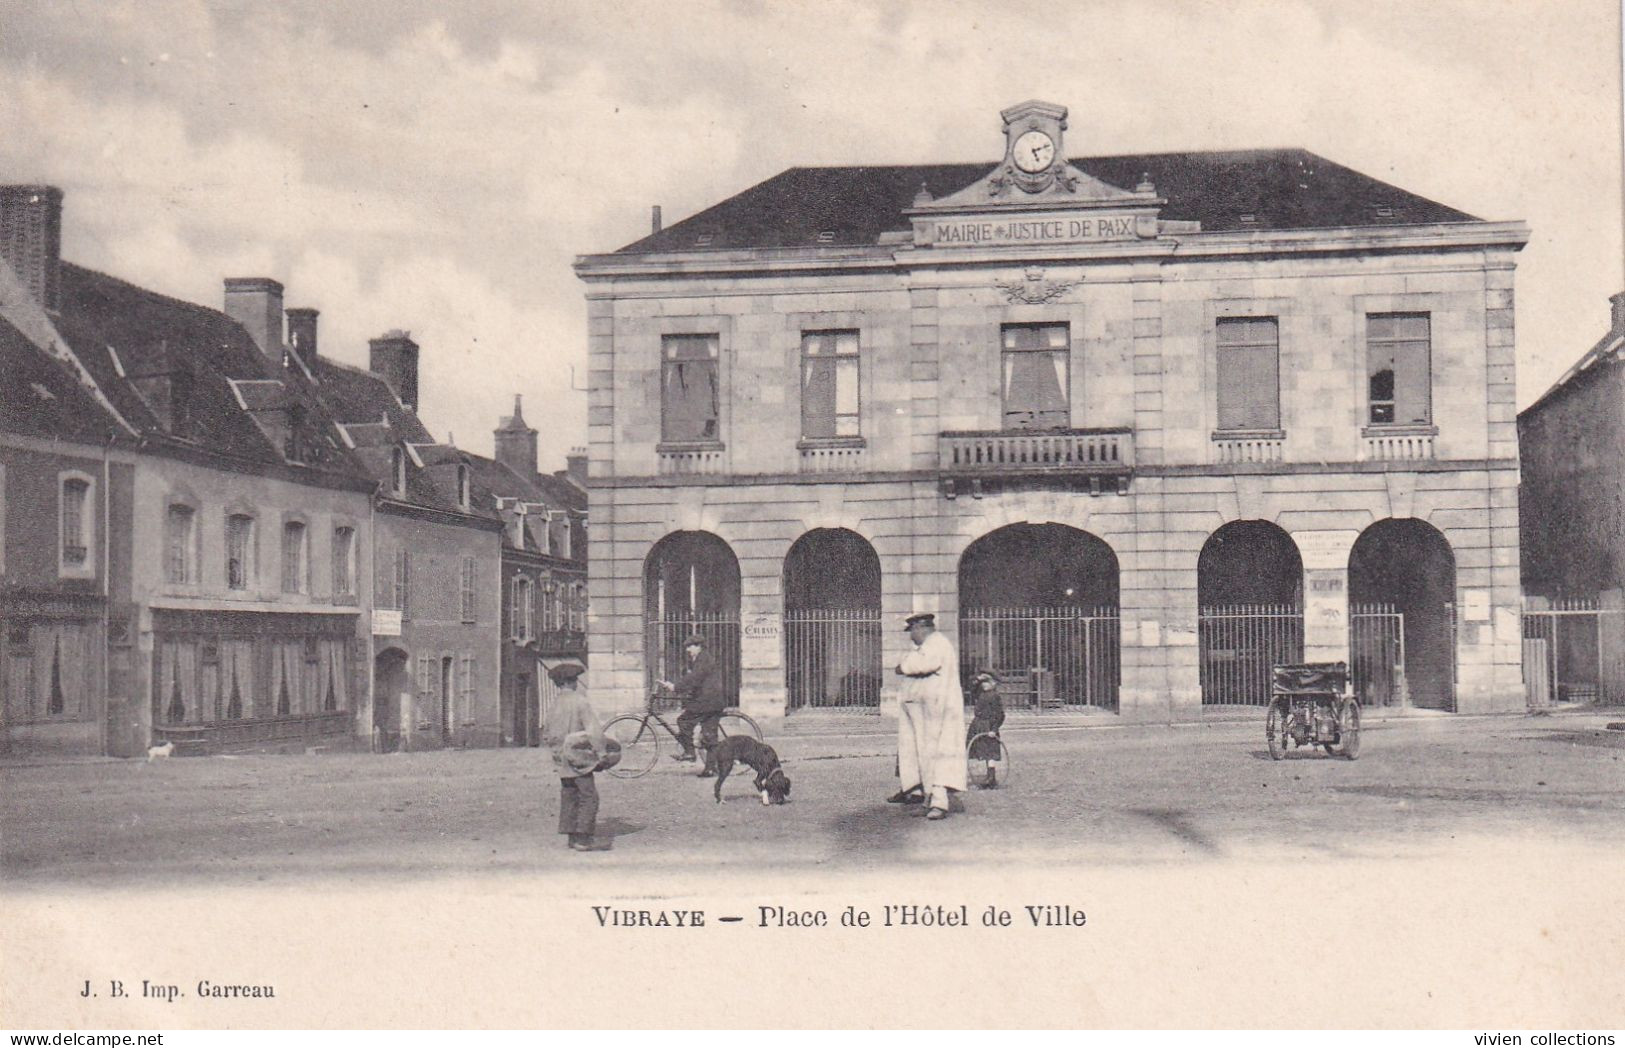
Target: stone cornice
point(1167, 247)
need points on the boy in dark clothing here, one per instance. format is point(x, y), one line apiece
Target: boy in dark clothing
point(986, 719)
point(700, 688)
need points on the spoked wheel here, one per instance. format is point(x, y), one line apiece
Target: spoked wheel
point(987, 762)
point(640, 745)
point(1275, 731)
point(734, 723)
point(1348, 729)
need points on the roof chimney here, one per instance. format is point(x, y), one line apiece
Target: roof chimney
point(1619, 312)
point(302, 335)
point(575, 466)
point(256, 304)
point(31, 239)
point(654, 219)
point(516, 443)
point(394, 358)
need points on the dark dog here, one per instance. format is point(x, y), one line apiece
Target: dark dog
point(771, 782)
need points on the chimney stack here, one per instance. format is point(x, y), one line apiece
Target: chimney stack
point(256, 304)
point(575, 466)
point(516, 443)
point(31, 239)
point(394, 358)
point(1619, 312)
point(302, 335)
point(654, 219)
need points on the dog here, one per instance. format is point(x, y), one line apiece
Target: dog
point(162, 752)
point(771, 782)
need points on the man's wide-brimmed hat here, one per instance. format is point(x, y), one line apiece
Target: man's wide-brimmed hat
point(694, 638)
point(927, 617)
point(566, 671)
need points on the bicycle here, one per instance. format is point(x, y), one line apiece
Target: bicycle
point(640, 741)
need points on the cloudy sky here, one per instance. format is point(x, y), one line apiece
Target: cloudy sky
point(437, 166)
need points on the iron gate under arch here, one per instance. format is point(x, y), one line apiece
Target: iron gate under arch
point(1045, 657)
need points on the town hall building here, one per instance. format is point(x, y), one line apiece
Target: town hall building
point(1133, 427)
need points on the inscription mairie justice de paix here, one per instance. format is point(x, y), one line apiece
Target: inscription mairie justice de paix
point(898, 915)
point(206, 988)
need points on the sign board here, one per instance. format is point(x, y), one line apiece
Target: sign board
point(759, 642)
point(386, 623)
point(1051, 228)
point(1325, 550)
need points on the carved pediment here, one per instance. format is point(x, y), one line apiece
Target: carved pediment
point(1034, 195)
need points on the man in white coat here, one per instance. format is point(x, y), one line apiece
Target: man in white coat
point(930, 722)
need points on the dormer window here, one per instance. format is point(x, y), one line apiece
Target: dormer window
point(398, 471)
point(464, 498)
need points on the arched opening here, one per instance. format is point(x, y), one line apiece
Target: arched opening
point(1038, 607)
point(1249, 599)
point(389, 682)
point(1403, 567)
point(832, 621)
point(691, 585)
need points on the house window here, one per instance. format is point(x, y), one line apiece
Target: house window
point(294, 574)
point(520, 614)
point(1399, 369)
point(464, 495)
point(467, 589)
point(549, 612)
point(239, 551)
point(829, 384)
point(397, 462)
point(180, 545)
point(403, 581)
point(689, 388)
point(344, 562)
point(465, 690)
point(1037, 363)
point(1248, 368)
point(75, 523)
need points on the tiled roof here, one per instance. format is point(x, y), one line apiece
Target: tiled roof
point(127, 337)
point(40, 398)
point(1279, 188)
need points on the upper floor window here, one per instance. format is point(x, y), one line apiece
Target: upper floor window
point(829, 384)
point(521, 614)
point(344, 562)
point(1037, 366)
point(466, 590)
point(76, 530)
point(180, 545)
point(1399, 369)
point(240, 551)
point(1248, 366)
point(295, 573)
point(690, 389)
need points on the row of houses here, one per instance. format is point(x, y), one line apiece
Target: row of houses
point(213, 533)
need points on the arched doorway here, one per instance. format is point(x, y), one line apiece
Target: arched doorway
point(1038, 607)
point(1404, 567)
point(691, 585)
point(1249, 601)
point(832, 621)
point(390, 682)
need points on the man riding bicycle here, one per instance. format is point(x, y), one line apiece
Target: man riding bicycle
point(700, 688)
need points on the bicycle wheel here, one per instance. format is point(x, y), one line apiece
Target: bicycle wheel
point(987, 762)
point(735, 723)
point(640, 745)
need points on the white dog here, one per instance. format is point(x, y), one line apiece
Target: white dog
point(160, 752)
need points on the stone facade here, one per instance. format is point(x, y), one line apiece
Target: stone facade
point(1144, 462)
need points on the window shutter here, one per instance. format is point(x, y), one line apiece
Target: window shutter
point(818, 396)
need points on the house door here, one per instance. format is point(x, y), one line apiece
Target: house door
point(446, 666)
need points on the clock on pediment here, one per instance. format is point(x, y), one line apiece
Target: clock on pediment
point(1034, 150)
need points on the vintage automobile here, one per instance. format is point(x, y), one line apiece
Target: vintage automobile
point(1311, 704)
